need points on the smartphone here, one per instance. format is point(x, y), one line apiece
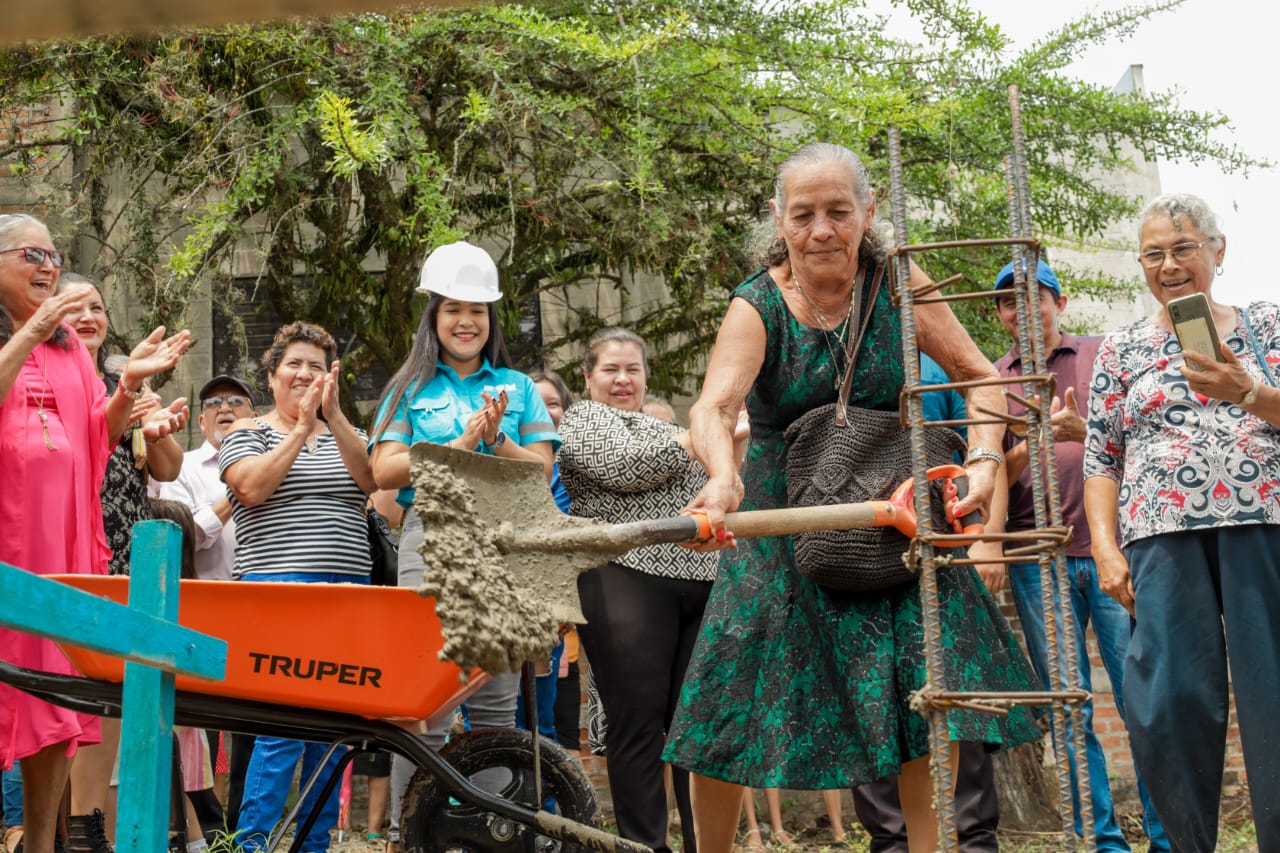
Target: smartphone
point(1193, 324)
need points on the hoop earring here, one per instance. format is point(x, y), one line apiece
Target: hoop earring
point(1219, 270)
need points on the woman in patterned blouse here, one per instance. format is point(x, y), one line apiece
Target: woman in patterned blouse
point(1183, 455)
point(643, 609)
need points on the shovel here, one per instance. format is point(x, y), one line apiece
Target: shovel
point(547, 549)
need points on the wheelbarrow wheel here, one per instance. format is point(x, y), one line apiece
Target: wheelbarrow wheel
point(500, 762)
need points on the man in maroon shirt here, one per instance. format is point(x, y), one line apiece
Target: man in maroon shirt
point(1070, 359)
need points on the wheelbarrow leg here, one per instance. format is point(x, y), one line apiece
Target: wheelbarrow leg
point(529, 686)
point(305, 789)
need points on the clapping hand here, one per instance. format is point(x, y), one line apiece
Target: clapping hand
point(494, 409)
point(148, 402)
point(309, 405)
point(166, 421)
point(330, 407)
point(44, 322)
point(153, 355)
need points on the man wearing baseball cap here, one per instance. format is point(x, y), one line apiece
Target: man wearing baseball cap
point(1070, 359)
point(223, 400)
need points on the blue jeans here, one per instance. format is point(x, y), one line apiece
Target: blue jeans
point(1111, 626)
point(12, 795)
point(270, 774)
point(545, 692)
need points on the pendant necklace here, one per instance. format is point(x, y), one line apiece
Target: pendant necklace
point(840, 331)
point(40, 412)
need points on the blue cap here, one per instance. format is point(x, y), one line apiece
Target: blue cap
point(1043, 274)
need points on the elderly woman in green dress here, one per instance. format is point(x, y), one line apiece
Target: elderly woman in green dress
point(790, 685)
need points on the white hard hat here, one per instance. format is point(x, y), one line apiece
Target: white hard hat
point(461, 271)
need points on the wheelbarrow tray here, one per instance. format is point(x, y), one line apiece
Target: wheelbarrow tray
point(368, 651)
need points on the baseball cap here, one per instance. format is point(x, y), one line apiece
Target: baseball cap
point(1044, 275)
point(224, 379)
point(461, 271)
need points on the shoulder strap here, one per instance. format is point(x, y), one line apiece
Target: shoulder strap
point(854, 345)
point(1257, 350)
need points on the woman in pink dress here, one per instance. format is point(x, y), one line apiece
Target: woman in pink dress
point(56, 430)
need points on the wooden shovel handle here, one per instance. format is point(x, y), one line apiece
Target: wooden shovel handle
point(777, 522)
point(761, 522)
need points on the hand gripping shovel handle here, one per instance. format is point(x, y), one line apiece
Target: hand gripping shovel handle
point(954, 490)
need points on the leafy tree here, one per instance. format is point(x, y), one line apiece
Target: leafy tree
point(593, 141)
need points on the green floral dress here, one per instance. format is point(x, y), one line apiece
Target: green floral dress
point(793, 686)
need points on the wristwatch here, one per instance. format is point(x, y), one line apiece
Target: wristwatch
point(498, 440)
point(1252, 396)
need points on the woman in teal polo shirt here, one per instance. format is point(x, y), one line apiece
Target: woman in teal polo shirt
point(457, 388)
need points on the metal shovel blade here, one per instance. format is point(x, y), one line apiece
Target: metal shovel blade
point(544, 549)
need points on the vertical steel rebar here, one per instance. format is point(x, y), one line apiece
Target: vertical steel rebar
point(939, 740)
point(1065, 696)
point(1046, 497)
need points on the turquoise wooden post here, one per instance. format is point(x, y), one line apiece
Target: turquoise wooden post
point(143, 634)
point(146, 719)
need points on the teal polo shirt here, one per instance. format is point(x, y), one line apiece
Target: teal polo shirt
point(439, 412)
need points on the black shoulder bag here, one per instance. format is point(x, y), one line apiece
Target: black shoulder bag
point(384, 551)
point(845, 454)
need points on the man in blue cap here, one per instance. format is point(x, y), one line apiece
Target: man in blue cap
point(1070, 359)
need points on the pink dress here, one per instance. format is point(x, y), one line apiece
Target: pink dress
point(50, 522)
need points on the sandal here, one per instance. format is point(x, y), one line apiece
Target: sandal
point(747, 844)
point(783, 839)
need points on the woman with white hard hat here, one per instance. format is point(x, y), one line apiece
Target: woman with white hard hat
point(457, 387)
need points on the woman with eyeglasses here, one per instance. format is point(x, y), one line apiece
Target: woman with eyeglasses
point(56, 430)
point(1183, 457)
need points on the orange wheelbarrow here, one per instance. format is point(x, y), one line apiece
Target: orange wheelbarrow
point(353, 666)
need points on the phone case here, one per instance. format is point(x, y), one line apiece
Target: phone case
point(1193, 324)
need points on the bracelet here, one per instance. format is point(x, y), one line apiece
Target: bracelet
point(127, 392)
point(980, 453)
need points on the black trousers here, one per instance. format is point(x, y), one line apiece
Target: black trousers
point(239, 752)
point(977, 810)
point(569, 709)
point(639, 636)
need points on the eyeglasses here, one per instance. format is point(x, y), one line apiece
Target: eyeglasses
point(235, 401)
point(37, 256)
point(1182, 253)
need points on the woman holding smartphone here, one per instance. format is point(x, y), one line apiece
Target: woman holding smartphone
point(1183, 456)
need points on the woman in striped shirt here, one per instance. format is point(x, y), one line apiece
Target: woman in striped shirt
point(297, 478)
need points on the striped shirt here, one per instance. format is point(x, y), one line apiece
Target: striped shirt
point(313, 522)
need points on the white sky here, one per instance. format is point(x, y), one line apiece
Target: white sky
point(1219, 55)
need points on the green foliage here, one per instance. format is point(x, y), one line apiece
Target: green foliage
point(591, 143)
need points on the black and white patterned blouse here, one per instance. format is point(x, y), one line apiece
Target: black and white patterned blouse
point(626, 466)
point(313, 522)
